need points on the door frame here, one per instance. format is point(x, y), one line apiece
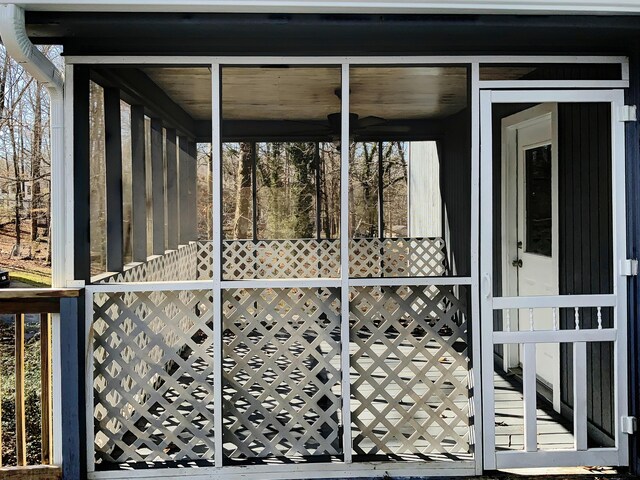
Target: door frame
point(581, 455)
point(511, 200)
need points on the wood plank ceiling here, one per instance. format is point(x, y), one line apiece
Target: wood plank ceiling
point(311, 93)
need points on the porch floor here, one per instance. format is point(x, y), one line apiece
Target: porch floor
point(552, 434)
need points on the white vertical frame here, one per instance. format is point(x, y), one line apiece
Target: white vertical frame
point(344, 266)
point(620, 280)
point(486, 287)
point(475, 375)
point(216, 150)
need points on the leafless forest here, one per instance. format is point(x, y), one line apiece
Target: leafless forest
point(24, 172)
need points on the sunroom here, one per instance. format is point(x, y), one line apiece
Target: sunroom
point(230, 323)
point(328, 264)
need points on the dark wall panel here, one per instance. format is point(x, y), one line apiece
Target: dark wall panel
point(586, 243)
point(633, 247)
point(455, 188)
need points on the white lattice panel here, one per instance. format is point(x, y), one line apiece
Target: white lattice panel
point(204, 260)
point(281, 372)
point(409, 369)
point(153, 376)
point(175, 265)
point(397, 257)
point(307, 258)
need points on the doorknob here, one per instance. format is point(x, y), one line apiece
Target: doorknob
point(517, 263)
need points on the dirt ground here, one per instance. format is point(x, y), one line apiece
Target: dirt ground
point(30, 261)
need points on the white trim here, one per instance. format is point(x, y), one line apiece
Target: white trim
point(345, 356)
point(580, 395)
point(475, 374)
point(572, 84)
point(283, 283)
point(551, 96)
point(399, 281)
point(301, 471)
point(339, 60)
point(486, 269)
point(529, 397)
point(560, 301)
point(150, 286)
point(216, 256)
point(557, 458)
point(620, 282)
point(67, 218)
point(555, 336)
point(343, 6)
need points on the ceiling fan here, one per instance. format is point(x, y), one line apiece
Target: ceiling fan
point(358, 127)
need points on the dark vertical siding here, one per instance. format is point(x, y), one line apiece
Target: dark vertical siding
point(633, 244)
point(455, 171)
point(586, 243)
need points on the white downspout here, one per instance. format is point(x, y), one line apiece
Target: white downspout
point(14, 37)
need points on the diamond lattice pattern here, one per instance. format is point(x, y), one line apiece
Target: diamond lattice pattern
point(409, 370)
point(281, 372)
point(397, 257)
point(307, 258)
point(174, 265)
point(153, 376)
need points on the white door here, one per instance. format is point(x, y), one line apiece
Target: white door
point(530, 164)
point(533, 289)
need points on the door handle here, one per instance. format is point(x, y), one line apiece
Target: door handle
point(486, 285)
point(517, 263)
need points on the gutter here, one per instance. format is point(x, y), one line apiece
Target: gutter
point(18, 45)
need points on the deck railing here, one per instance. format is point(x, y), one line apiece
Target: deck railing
point(30, 311)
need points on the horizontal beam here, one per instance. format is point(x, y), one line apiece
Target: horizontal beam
point(309, 34)
point(555, 336)
point(38, 293)
point(560, 301)
point(138, 89)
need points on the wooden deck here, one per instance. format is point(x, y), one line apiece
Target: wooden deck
point(552, 434)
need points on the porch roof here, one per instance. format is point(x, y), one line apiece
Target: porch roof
point(337, 6)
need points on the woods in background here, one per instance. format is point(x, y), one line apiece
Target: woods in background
point(24, 165)
point(292, 178)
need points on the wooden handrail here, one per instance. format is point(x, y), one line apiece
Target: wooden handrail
point(38, 293)
point(34, 300)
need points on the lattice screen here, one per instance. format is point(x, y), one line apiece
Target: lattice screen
point(281, 372)
point(397, 257)
point(409, 368)
point(307, 258)
point(204, 265)
point(175, 265)
point(153, 376)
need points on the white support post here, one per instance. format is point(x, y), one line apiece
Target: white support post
point(486, 302)
point(344, 267)
point(216, 258)
point(529, 393)
point(475, 375)
point(580, 395)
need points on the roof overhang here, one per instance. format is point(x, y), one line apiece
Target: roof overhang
point(348, 6)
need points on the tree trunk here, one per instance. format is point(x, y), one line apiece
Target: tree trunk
point(35, 164)
point(18, 183)
point(242, 219)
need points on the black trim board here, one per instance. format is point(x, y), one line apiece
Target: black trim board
point(318, 34)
